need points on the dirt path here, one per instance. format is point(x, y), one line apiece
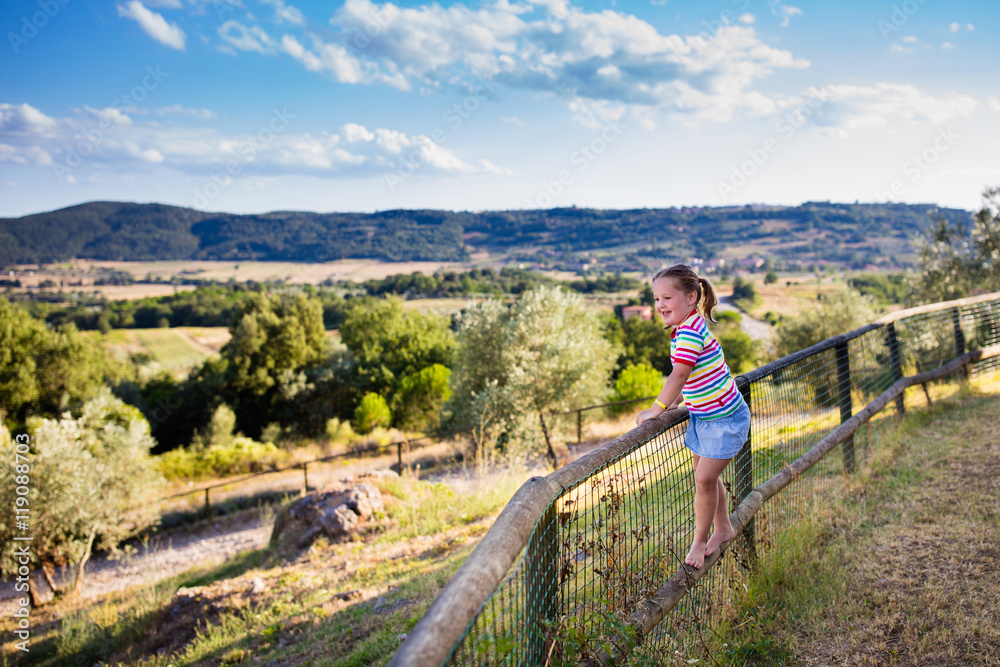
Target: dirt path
point(923, 569)
point(756, 329)
point(163, 556)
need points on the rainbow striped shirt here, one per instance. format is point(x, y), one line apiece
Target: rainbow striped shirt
point(710, 391)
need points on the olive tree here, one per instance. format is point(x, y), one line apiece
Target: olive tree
point(543, 354)
point(958, 261)
point(89, 482)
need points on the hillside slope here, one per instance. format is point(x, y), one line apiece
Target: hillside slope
point(850, 233)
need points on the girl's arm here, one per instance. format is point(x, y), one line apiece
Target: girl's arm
point(670, 394)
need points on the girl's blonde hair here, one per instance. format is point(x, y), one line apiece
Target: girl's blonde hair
point(686, 280)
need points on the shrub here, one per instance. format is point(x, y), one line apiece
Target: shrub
point(371, 412)
point(638, 381)
point(241, 455)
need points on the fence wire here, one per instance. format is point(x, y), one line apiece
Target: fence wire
point(609, 541)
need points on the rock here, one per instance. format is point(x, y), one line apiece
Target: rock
point(257, 585)
point(365, 500)
point(336, 514)
point(401, 637)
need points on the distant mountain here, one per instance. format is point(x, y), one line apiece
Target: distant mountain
point(128, 231)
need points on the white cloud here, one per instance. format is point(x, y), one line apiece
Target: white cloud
point(110, 139)
point(947, 46)
point(109, 115)
point(245, 38)
point(283, 12)
point(154, 24)
point(24, 119)
point(25, 155)
point(601, 56)
point(955, 27)
point(513, 120)
point(178, 110)
point(969, 26)
point(993, 104)
point(845, 108)
point(784, 12)
point(747, 18)
point(310, 60)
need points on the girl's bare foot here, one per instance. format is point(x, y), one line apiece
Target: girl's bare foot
point(696, 557)
point(718, 537)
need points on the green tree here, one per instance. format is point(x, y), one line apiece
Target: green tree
point(372, 412)
point(390, 343)
point(273, 340)
point(418, 402)
point(744, 293)
point(739, 349)
point(636, 381)
point(543, 354)
point(91, 479)
point(837, 313)
point(42, 371)
point(770, 278)
point(958, 261)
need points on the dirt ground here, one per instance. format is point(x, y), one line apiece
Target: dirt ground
point(923, 565)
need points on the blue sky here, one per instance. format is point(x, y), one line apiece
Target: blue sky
point(259, 105)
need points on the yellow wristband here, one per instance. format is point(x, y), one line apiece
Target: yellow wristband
point(657, 401)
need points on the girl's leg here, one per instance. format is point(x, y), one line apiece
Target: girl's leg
point(706, 500)
point(723, 527)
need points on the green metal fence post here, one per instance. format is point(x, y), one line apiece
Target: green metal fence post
point(541, 582)
point(894, 364)
point(846, 401)
point(744, 479)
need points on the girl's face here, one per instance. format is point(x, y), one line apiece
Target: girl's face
point(673, 305)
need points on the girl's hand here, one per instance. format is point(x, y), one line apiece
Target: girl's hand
point(649, 413)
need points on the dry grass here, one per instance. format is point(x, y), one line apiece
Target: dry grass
point(900, 569)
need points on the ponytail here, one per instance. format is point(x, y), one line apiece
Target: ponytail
point(708, 300)
point(686, 280)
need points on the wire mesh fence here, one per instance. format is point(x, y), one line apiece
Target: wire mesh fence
point(615, 533)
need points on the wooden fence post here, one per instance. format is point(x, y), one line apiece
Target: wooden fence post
point(305, 478)
point(541, 582)
point(579, 426)
point(744, 479)
point(894, 363)
point(846, 401)
point(956, 319)
point(208, 504)
point(399, 456)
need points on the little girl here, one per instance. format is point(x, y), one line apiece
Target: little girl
point(720, 418)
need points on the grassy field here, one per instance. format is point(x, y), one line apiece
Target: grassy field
point(176, 350)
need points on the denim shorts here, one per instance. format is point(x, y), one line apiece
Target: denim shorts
point(720, 438)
